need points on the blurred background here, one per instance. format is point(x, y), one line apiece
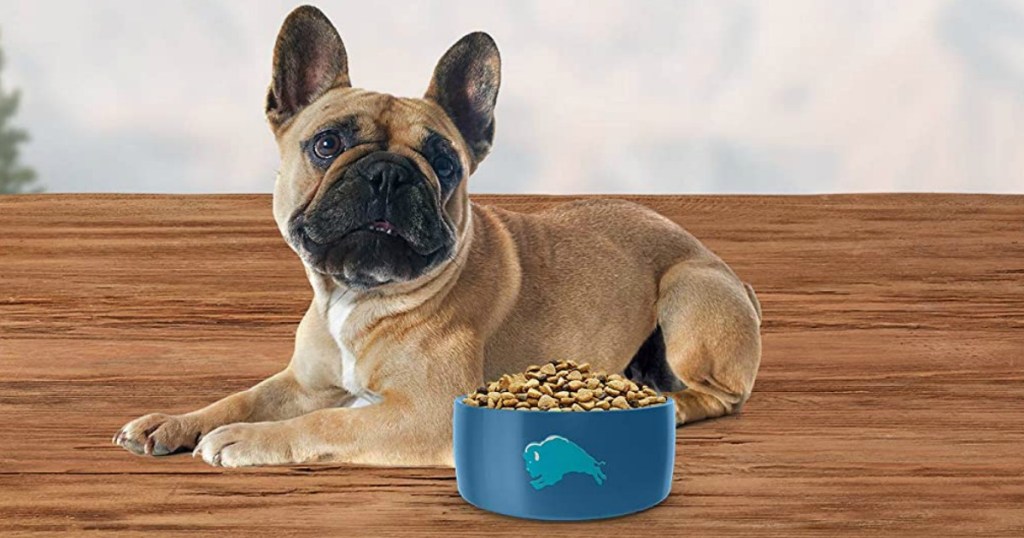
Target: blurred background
point(737, 96)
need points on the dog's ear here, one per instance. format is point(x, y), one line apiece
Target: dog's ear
point(309, 59)
point(465, 84)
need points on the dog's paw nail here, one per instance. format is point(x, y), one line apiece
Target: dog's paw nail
point(158, 449)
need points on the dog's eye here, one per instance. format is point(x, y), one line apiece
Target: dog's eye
point(327, 145)
point(445, 162)
point(444, 167)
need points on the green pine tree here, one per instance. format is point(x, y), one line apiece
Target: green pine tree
point(14, 177)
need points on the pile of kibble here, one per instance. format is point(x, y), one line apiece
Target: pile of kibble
point(563, 386)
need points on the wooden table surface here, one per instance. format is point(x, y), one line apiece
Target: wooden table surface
point(890, 399)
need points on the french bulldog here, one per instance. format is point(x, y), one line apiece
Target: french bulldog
point(420, 294)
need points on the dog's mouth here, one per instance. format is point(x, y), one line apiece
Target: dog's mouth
point(367, 255)
point(317, 245)
point(388, 234)
point(384, 227)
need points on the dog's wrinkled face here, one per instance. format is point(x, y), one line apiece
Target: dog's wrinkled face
point(372, 188)
point(368, 188)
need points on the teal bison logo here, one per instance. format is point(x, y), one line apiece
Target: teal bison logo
point(553, 458)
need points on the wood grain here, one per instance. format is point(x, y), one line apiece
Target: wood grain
point(890, 399)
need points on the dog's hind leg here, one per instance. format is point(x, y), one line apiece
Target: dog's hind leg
point(710, 323)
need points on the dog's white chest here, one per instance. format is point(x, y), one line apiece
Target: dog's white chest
point(337, 313)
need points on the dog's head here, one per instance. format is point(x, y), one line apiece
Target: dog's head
point(372, 187)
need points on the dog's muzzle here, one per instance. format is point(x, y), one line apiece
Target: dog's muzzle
point(379, 218)
point(366, 196)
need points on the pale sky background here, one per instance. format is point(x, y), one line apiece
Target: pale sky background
point(738, 96)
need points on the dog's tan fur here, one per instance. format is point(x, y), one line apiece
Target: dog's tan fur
point(587, 281)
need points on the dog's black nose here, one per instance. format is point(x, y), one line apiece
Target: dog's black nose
point(385, 176)
point(385, 171)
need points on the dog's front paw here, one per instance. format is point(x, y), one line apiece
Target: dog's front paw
point(245, 444)
point(158, 434)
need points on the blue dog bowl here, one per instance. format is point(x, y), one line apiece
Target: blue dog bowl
point(564, 466)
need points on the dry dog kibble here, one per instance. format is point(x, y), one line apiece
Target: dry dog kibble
point(547, 402)
point(563, 386)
